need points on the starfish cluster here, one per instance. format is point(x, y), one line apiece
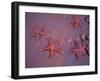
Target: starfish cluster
point(53, 46)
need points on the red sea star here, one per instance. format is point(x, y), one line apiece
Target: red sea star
point(53, 46)
point(38, 32)
point(79, 49)
point(76, 22)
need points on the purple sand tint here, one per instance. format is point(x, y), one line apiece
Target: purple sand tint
point(36, 58)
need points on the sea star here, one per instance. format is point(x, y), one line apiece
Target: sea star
point(39, 32)
point(80, 49)
point(53, 46)
point(76, 22)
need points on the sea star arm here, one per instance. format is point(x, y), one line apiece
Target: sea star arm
point(58, 50)
point(44, 49)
